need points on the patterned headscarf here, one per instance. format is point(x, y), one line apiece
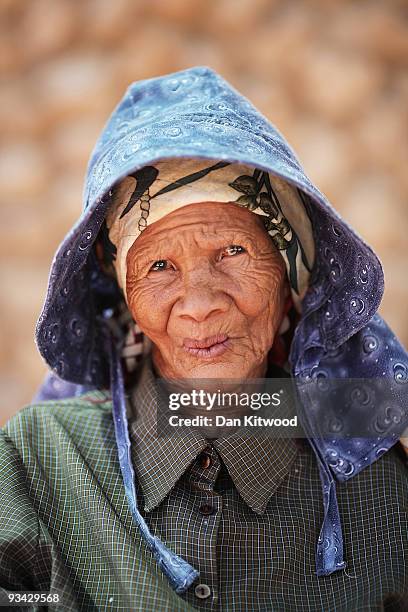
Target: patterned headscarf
point(152, 192)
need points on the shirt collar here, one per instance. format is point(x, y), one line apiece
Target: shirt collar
point(257, 464)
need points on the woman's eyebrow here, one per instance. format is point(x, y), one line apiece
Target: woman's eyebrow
point(203, 241)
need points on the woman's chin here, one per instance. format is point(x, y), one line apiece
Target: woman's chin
point(218, 370)
point(179, 366)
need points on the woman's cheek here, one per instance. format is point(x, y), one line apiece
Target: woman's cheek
point(253, 297)
point(149, 308)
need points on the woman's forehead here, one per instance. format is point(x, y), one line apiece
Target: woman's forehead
point(153, 196)
point(214, 217)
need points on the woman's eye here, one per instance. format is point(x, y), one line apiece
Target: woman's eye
point(233, 249)
point(160, 264)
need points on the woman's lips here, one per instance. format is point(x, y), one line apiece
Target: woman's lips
point(209, 347)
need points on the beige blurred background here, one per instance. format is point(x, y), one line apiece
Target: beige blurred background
point(331, 75)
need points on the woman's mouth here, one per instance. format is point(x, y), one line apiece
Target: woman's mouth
point(207, 348)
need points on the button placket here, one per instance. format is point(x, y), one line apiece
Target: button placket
point(202, 475)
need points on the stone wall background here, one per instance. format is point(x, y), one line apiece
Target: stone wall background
point(330, 74)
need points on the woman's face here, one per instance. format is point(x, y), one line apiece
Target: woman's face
point(207, 285)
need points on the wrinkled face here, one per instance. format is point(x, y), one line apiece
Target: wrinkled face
point(207, 285)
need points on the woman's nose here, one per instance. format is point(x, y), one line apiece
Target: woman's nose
point(202, 298)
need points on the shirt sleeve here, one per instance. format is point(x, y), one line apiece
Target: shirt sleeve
point(19, 525)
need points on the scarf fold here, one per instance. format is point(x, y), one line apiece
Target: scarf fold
point(179, 573)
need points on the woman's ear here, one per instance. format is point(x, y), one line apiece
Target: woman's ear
point(279, 352)
point(285, 322)
point(284, 326)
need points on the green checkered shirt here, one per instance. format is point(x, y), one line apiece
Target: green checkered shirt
point(245, 511)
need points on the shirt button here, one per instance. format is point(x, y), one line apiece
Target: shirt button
point(202, 591)
point(206, 509)
point(204, 460)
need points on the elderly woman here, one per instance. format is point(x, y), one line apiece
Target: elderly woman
point(204, 252)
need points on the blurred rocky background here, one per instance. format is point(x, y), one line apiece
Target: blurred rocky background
point(332, 75)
